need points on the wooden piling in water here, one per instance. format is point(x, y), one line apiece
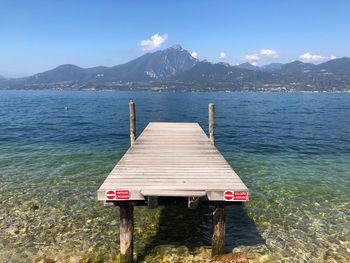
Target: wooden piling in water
point(211, 122)
point(126, 233)
point(218, 238)
point(126, 224)
point(132, 122)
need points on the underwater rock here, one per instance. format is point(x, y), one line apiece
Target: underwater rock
point(12, 230)
point(236, 257)
point(30, 206)
point(24, 230)
point(47, 260)
point(75, 259)
point(63, 218)
point(34, 207)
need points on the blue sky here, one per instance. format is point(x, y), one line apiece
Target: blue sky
point(38, 35)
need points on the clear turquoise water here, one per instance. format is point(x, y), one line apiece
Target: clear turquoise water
point(292, 150)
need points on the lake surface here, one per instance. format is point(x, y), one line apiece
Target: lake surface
point(291, 149)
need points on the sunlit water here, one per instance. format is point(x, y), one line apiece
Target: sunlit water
point(292, 151)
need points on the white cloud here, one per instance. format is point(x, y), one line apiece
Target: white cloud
point(268, 53)
point(264, 53)
point(154, 42)
point(194, 54)
point(308, 57)
point(222, 55)
point(252, 58)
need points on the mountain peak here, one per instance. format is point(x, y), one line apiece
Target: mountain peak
point(248, 65)
point(224, 64)
point(68, 67)
point(296, 62)
point(337, 61)
point(177, 47)
point(338, 66)
point(272, 67)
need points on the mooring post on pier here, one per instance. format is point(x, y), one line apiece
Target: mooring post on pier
point(126, 233)
point(132, 122)
point(218, 238)
point(211, 122)
point(126, 223)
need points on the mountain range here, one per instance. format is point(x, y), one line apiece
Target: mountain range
point(175, 69)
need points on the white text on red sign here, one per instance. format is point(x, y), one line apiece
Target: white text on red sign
point(235, 196)
point(117, 195)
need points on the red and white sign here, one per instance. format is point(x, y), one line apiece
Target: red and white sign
point(235, 196)
point(117, 195)
point(228, 195)
point(243, 196)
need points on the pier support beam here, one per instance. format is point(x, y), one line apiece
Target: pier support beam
point(218, 238)
point(132, 122)
point(211, 122)
point(126, 233)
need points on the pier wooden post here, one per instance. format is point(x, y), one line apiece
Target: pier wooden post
point(132, 122)
point(211, 122)
point(218, 238)
point(126, 233)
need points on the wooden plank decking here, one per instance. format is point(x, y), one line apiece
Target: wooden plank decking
point(173, 160)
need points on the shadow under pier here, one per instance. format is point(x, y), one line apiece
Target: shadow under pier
point(180, 226)
point(240, 228)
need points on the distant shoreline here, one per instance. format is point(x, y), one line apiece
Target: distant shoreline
point(180, 90)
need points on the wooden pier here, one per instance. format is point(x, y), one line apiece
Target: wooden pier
point(170, 161)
